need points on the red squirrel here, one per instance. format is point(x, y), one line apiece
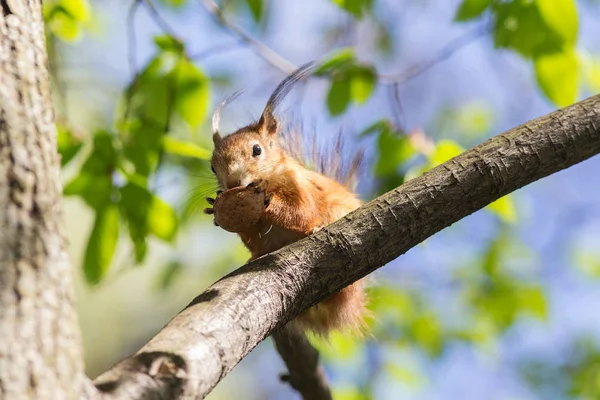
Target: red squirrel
point(297, 202)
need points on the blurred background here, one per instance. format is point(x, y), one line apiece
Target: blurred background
point(502, 305)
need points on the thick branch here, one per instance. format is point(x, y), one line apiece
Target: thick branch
point(206, 340)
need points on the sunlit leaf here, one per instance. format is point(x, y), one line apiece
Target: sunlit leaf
point(474, 118)
point(444, 151)
point(394, 148)
point(339, 60)
point(347, 393)
point(64, 26)
point(146, 214)
point(504, 208)
point(427, 332)
point(162, 221)
point(362, 83)
point(558, 76)
point(168, 43)
point(338, 98)
point(520, 26)
point(94, 181)
point(185, 149)
point(560, 16)
point(192, 92)
point(403, 374)
point(355, 7)
point(68, 144)
point(78, 9)
point(533, 301)
point(470, 9)
point(590, 66)
point(101, 244)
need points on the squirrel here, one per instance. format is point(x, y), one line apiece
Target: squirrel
point(298, 201)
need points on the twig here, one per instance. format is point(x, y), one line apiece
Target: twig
point(131, 39)
point(159, 20)
point(441, 55)
point(265, 52)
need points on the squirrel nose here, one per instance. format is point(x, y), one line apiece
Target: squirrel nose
point(233, 181)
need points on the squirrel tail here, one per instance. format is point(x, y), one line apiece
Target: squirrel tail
point(345, 311)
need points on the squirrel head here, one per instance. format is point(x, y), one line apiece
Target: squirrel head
point(252, 152)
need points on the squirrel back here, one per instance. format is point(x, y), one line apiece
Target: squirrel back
point(304, 192)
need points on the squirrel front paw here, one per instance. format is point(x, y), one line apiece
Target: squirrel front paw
point(259, 186)
point(238, 209)
point(211, 201)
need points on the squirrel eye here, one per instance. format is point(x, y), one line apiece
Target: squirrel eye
point(256, 150)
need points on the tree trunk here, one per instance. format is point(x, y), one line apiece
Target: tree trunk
point(40, 349)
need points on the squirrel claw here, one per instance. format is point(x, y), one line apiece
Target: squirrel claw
point(268, 199)
point(210, 200)
point(259, 185)
point(219, 192)
point(317, 229)
point(209, 211)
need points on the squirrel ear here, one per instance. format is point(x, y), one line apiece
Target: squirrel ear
point(268, 125)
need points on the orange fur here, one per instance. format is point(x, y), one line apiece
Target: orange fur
point(303, 200)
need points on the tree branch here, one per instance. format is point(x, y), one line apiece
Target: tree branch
point(196, 349)
point(302, 360)
point(265, 52)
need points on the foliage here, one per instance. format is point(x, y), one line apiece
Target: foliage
point(115, 169)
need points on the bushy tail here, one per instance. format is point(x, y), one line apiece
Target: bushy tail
point(331, 158)
point(345, 311)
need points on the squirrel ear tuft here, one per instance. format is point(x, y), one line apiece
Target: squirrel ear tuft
point(268, 124)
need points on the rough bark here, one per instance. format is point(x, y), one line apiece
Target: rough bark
point(306, 374)
point(190, 355)
point(40, 350)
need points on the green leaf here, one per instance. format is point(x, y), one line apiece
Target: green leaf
point(533, 301)
point(504, 208)
point(168, 43)
point(444, 151)
point(395, 149)
point(68, 144)
point(174, 3)
point(94, 182)
point(558, 76)
point(338, 98)
point(590, 66)
point(64, 26)
point(339, 60)
point(256, 9)
point(519, 25)
point(145, 214)
point(79, 10)
point(101, 244)
point(185, 149)
point(192, 92)
point(471, 9)
point(355, 7)
point(560, 16)
point(362, 83)
point(427, 332)
point(162, 221)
